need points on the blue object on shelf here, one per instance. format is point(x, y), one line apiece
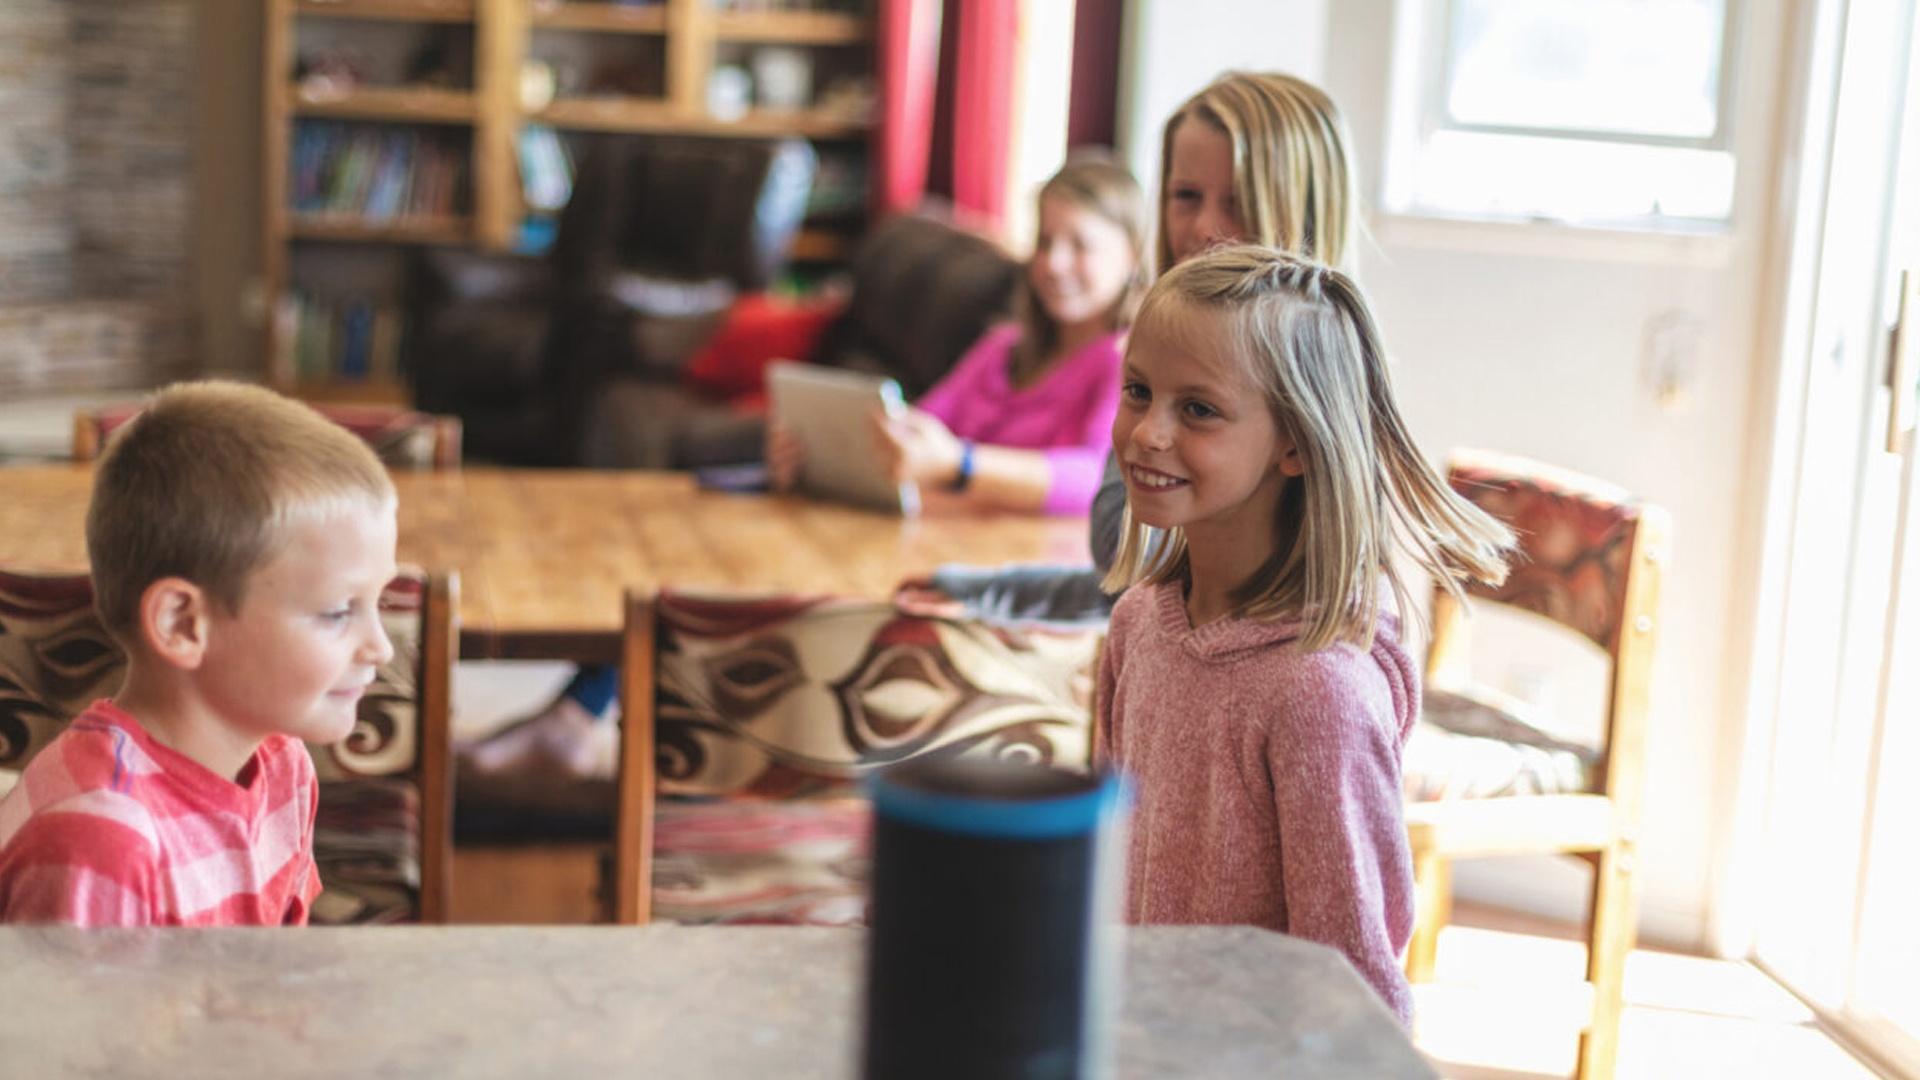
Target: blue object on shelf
point(536, 235)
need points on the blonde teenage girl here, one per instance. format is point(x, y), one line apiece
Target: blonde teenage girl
point(1252, 685)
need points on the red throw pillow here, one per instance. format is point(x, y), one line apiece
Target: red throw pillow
point(758, 330)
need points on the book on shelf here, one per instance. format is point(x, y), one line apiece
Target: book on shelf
point(380, 175)
point(339, 339)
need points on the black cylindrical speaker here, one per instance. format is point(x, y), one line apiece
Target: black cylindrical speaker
point(993, 948)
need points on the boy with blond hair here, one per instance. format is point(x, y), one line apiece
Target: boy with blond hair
point(239, 544)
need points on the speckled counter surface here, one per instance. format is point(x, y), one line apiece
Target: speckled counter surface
point(605, 1001)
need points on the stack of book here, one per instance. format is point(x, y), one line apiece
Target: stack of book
point(376, 174)
point(345, 340)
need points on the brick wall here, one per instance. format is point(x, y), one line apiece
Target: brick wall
point(96, 188)
point(36, 235)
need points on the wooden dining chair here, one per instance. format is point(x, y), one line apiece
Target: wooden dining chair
point(383, 838)
point(403, 438)
point(1487, 780)
point(748, 723)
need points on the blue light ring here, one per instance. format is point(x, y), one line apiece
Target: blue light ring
point(1006, 819)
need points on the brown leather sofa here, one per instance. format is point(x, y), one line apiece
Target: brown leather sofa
point(922, 292)
point(662, 233)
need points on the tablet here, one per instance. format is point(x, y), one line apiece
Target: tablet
point(829, 410)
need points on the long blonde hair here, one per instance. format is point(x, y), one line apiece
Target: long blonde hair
point(1092, 181)
point(1303, 333)
point(1293, 176)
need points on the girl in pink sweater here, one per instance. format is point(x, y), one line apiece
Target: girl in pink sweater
point(1252, 685)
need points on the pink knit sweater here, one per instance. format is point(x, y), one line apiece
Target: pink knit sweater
point(1268, 778)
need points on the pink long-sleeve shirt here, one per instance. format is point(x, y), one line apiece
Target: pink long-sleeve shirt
point(1268, 779)
point(1067, 414)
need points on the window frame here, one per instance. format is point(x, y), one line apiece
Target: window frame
point(1425, 29)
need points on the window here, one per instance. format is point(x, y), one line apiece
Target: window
point(1591, 112)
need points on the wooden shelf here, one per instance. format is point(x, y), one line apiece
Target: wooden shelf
point(483, 121)
point(402, 230)
point(609, 114)
point(604, 17)
point(448, 11)
point(403, 104)
point(632, 114)
point(793, 27)
point(811, 123)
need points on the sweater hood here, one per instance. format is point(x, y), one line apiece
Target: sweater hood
point(1223, 640)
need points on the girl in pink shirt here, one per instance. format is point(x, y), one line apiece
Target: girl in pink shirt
point(1021, 421)
point(1251, 683)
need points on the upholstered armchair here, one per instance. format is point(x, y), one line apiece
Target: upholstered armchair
point(383, 837)
point(749, 722)
point(662, 233)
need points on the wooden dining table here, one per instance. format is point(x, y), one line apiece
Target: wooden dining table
point(544, 555)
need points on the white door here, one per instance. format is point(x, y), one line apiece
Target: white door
point(1839, 857)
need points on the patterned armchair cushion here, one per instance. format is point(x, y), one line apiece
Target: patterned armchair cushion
point(1474, 744)
point(770, 710)
point(403, 438)
point(56, 658)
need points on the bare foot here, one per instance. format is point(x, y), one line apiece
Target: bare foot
point(561, 758)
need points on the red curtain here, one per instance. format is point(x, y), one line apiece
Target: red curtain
point(984, 41)
point(946, 127)
point(908, 68)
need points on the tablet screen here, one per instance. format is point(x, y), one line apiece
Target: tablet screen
point(829, 410)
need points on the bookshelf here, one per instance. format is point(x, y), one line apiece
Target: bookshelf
point(361, 169)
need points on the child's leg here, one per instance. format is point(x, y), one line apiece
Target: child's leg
point(569, 740)
point(593, 688)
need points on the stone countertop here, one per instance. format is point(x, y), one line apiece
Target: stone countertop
point(597, 1001)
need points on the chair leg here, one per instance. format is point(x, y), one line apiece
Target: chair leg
point(1432, 907)
point(1608, 944)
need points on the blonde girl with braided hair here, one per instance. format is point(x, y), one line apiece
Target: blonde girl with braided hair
point(1253, 685)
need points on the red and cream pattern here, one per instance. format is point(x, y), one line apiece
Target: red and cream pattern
point(1575, 542)
point(769, 710)
point(55, 658)
point(1574, 545)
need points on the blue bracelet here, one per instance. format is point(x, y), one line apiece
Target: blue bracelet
point(964, 475)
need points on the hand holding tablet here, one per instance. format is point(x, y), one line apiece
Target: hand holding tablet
point(830, 412)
